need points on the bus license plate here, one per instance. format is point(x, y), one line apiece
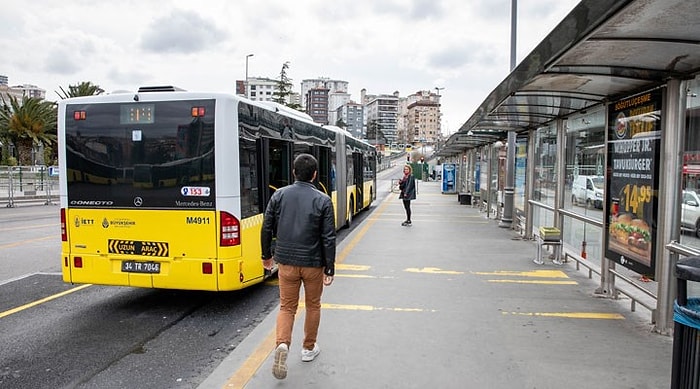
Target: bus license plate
point(140, 267)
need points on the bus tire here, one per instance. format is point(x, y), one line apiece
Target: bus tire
point(348, 222)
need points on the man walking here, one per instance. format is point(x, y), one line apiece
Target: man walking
point(301, 218)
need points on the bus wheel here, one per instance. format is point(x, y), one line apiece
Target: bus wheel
point(348, 223)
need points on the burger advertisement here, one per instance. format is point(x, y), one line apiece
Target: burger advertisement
point(634, 142)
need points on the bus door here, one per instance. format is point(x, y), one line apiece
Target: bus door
point(359, 167)
point(323, 179)
point(276, 166)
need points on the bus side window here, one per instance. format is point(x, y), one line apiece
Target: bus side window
point(250, 204)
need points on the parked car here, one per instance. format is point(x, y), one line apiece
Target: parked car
point(690, 211)
point(588, 190)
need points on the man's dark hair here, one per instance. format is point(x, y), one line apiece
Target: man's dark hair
point(304, 167)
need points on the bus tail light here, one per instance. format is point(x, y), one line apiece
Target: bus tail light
point(230, 230)
point(207, 268)
point(198, 112)
point(78, 262)
point(64, 230)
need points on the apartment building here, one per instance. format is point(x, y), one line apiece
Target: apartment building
point(352, 114)
point(337, 96)
point(382, 113)
point(263, 89)
point(422, 118)
point(19, 91)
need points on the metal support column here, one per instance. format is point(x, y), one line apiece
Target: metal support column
point(668, 228)
point(529, 182)
point(509, 189)
point(561, 174)
point(607, 278)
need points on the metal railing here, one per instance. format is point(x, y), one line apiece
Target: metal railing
point(28, 184)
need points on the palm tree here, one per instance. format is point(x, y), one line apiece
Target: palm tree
point(85, 88)
point(28, 123)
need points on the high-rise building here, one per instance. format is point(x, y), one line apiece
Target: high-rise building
point(381, 116)
point(337, 96)
point(352, 115)
point(317, 104)
point(422, 117)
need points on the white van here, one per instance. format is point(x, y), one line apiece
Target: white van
point(588, 190)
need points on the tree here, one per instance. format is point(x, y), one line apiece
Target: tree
point(340, 123)
point(28, 123)
point(374, 132)
point(85, 88)
point(283, 89)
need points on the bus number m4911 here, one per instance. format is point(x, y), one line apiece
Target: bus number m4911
point(197, 220)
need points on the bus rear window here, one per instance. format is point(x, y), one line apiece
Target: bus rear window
point(133, 155)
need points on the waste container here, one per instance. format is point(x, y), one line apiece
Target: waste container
point(465, 198)
point(685, 371)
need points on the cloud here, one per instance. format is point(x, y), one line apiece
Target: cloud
point(184, 32)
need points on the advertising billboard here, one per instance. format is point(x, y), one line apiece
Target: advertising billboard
point(634, 143)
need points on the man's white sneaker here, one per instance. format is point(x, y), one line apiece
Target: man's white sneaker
point(309, 355)
point(279, 366)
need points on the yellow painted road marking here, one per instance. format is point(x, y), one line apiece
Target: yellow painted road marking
point(252, 364)
point(35, 303)
point(5, 246)
point(350, 307)
point(432, 270)
point(343, 266)
point(362, 276)
point(539, 282)
point(534, 273)
point(571, 315)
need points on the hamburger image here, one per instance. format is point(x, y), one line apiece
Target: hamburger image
point(632, 233)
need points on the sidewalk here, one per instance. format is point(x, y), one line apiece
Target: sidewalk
point(456, 302)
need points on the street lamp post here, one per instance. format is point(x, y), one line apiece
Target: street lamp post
point(246, 75)
point(509, 189)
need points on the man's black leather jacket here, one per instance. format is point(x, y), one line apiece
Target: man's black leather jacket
point(301, 218)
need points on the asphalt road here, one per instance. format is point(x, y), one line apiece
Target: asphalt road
point(58, 335)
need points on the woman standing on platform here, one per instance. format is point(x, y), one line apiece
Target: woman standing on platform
point(407, 185)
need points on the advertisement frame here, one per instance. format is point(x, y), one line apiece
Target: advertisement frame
point(632, 181)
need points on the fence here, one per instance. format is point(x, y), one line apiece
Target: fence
point(25, 184)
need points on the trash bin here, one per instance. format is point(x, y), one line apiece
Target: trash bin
point(685, 371)
point(465, 198)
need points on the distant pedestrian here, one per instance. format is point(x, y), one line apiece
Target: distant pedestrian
point(302, 220)
point(407, 185)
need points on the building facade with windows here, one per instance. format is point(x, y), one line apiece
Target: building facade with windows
point(381, 117)
point(337, 96)
point(352, 115)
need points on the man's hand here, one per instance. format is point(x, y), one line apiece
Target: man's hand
point(268, 263)
point(327, 280)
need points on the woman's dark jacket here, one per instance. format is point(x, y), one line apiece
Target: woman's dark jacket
point(302, 219)
point(407, 185)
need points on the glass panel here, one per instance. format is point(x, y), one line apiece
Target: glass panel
point(141, 155)
point(584, 191)
point(545, 183)
point(576, 232)
point(690, 206)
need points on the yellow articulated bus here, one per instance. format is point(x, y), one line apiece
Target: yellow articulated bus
point(193, 173)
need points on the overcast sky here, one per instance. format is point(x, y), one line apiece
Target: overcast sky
point(380, 45)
